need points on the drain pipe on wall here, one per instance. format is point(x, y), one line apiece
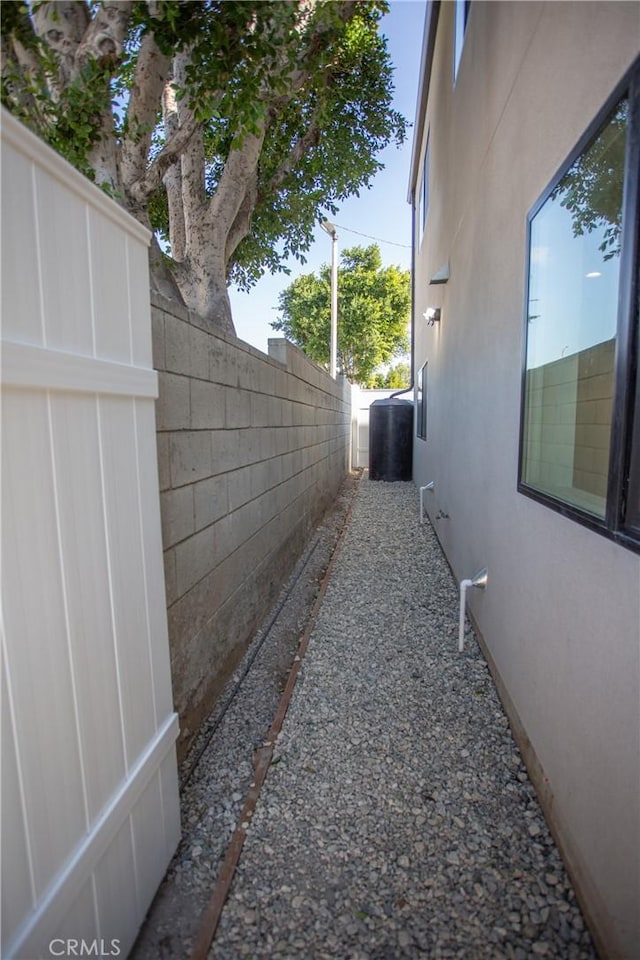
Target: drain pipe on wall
point(427, 486)
point(479, 581)
point(409, 389)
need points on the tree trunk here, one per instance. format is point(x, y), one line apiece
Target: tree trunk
point(202, 282)
point(160, 275)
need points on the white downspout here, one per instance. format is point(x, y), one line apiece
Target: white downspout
point(480, 583)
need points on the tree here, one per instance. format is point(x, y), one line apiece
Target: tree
point(394, 379)
point(225, 127)
point(591, 189)
point(373, 313)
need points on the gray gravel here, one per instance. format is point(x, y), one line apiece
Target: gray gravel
point(216, 775)
point(397, 819)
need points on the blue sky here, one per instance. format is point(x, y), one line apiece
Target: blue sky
point(381, 212)
point(573, 292)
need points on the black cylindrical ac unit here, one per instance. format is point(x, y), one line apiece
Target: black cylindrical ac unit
point(390, 439)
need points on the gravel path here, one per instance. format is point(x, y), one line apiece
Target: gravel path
point(397, 819)
point(215, 777)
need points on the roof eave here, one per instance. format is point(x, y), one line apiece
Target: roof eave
point(426, 61)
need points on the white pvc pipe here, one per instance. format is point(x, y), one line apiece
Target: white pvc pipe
point(463, 601)
point(480, 583)
point(333, 361)
point(427, 486)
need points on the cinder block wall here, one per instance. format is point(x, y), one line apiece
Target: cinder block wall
point(570, 422)
point(251, 451)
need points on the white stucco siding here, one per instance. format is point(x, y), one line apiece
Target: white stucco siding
point(561, 615)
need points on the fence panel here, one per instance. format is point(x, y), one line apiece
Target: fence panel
point(361, 400)
point(90, 814)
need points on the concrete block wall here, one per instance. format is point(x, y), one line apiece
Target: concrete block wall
point(593, 418)
point(251, 451)
point(569, 422)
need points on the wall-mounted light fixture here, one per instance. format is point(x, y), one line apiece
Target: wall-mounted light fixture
point(432, 315)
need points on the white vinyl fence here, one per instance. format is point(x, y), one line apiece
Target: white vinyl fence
point(361, 400)
point(90, 814)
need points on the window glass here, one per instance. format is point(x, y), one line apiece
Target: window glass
point(425, 188)
point(423, 196)
point(461, 17)
point(632, 505)
point(574, 260)
point(421, 404)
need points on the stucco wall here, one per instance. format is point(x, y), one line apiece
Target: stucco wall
point(561, 615)
point(251, 450)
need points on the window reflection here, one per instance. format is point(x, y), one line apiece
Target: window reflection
point(571, 329)
point(421, 405)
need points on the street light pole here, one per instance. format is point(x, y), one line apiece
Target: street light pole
point(330, 228)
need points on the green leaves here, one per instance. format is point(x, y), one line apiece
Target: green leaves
point(396, 378)
point(591, 189)
point(69, 122)
point(312, 82)
point(373, 313)
point(346, 98)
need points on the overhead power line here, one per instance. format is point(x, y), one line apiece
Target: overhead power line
point(405, 246)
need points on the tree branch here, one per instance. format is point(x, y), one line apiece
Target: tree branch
point(152, 179)
point(194, 200)
point(103, 156)
point(19, 42)
point(237, 192)
point(242, 223)
point(61, 26)
point(17, 64)
point(145, 98)
point(192, 161)
point(26, 58)
point(103, 40)
point(313, 46)
point(173, 179)
point(309, 139)
point(103, 44)
point(239, 170)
